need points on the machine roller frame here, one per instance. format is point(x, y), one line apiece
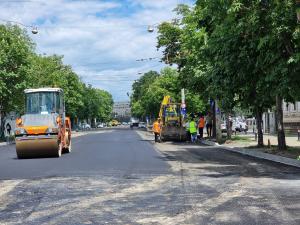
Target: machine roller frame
point(44, 130)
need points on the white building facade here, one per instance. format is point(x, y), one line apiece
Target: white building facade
point(291, 119)
point(291, 116)
point(121, 110)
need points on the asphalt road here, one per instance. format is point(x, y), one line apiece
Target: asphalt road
point(121, 177)
point(119, 151)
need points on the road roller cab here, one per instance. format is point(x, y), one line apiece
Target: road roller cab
point(43, 130)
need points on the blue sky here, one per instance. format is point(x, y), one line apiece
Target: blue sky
point(101, 40)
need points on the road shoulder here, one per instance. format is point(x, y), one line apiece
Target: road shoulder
point(256, 153)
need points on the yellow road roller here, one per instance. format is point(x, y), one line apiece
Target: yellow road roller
point(44, 130)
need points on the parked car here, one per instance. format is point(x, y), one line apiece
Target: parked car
point(224, 128)
point(100, 125)
point(142, 125)
point(241, 126)
point(84, 126)
point(114, 123)
point(134, 122)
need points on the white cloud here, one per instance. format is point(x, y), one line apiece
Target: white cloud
point(100, 39)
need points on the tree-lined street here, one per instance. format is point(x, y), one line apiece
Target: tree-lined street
point(120, 176)
point(150, 112)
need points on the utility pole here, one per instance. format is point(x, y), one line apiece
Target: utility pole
point(218, 122)
point(298, 10)
point(217, 133)
point(183, 105)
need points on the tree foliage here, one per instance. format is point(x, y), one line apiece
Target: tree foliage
point(243, 53)
point(154, 87)
point(21, 67)
point(16, 49)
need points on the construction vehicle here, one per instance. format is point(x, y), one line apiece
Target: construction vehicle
point(172, 121)
point(114, 123)
point(44, 130)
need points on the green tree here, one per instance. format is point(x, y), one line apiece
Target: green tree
point(166, 83)
point(15, 51)
point(97, 104)
point(105, 106)
point(235, 51)
point(49, 71)
point(139, 89)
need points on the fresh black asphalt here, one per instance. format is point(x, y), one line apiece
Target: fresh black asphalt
point(119, 177)
point(119, 151)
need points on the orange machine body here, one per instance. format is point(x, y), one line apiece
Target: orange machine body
point(44, 130)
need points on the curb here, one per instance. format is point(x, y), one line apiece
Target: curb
point(257, 154)
point(210, 143)
point(3, 144)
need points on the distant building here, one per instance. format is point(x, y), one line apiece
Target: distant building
point(269, 122)
point(291, 119)
point(122, 111)
point(291, 116)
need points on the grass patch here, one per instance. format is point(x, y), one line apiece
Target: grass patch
point(291, 152)
point(241, 139)
point(294, 150)
point(236, 139)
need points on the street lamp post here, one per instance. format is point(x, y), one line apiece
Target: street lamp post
point(298, 10)
point(152, 27)
point(34, 29)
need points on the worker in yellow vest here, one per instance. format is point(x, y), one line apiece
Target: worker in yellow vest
point(156, 130)
point(193, 130)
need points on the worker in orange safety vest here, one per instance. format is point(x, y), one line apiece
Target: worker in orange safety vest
point(201, 125)
point(156, 130)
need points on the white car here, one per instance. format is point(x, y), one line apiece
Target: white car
point(142, 125)
point(241, 126)
point(224, 128)
point(85, 126)
point(100, 125)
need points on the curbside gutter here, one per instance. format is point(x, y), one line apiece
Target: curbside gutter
point(3, 144)
point(256, 154)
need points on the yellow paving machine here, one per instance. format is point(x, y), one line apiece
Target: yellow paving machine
point(172, 121)
point(44, 130)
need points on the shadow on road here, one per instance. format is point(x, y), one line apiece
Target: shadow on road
point(221, 163)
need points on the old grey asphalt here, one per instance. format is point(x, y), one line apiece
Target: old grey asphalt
point(120, 177)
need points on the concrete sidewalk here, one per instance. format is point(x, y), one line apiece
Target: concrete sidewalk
point(256, 153)
point(291, 141)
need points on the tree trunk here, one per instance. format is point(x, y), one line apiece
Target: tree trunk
point(2, 116)
point(228, 127)
point(260, 140)
point(279, 122)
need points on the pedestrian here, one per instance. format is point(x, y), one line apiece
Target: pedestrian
point(8, 130)
point(193, 130)
point(201, 125)
point(187, 129)
point(209, 124)
point(156, 130)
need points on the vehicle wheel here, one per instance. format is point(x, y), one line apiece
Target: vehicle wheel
point(59, 150)
point(69, 148)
